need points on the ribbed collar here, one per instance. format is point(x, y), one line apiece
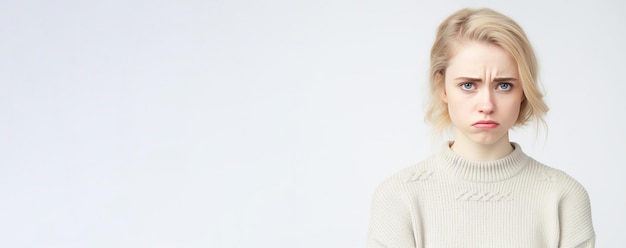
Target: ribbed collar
point(484, 171)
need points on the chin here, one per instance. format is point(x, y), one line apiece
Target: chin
point(487, 139)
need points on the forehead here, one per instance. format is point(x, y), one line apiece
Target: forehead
point(472, 58)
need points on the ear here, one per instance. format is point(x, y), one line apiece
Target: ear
point(440, 81)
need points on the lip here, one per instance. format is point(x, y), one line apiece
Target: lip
point(485, 124)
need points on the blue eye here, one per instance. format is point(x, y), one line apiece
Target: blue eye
point(467, 86)
point(505, 86)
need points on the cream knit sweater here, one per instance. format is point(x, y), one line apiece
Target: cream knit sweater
point(448, 201)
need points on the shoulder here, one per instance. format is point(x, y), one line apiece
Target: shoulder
point(397, 183)
point(563, 182)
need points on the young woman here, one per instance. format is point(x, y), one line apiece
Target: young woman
point(481, 190)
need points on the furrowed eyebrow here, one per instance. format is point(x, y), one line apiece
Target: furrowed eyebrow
point(469, 79)
point(505, 79)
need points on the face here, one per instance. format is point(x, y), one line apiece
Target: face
point(483, 93)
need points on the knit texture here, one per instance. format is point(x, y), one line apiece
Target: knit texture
point(448, 201)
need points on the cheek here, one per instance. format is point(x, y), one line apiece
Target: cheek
point(457, 108)
point(512, 108)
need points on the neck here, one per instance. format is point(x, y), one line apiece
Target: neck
point(472, 150)
point(483, 171)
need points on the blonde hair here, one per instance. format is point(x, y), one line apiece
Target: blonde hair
point(483, 25)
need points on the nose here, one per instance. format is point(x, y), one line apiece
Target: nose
point(486, 104)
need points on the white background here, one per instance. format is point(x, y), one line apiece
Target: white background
point(264, 123)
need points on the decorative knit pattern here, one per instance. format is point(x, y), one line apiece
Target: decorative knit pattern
point(448, 201)
point(486, 196)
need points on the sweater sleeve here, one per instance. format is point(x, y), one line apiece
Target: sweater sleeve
point(575, 218)
point(390, 218)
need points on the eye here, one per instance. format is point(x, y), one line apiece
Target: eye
point(467, 86)
point(505, 86)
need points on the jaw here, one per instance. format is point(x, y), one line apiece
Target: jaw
point(482, 146)
point(482, 138)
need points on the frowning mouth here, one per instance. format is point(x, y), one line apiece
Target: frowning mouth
point(485, 124)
